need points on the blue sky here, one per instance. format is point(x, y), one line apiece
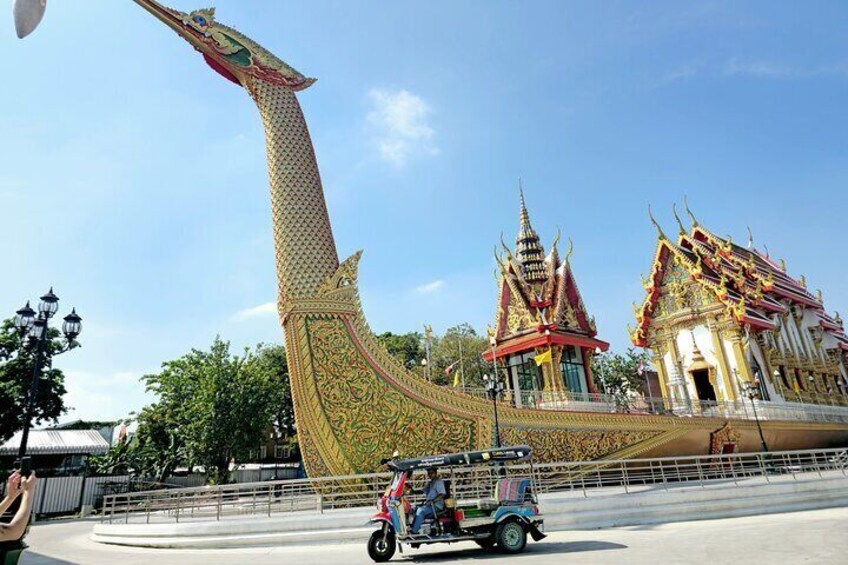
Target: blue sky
point(132, 177)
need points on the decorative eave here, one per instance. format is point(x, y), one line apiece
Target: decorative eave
point(533, 339)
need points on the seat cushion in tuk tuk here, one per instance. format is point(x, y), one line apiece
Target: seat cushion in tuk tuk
point(511, 491)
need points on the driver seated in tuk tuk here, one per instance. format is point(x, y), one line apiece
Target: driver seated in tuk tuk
point(434, 500)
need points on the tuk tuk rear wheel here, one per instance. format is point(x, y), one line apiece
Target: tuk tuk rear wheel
point(511, 537)
point(381, 548)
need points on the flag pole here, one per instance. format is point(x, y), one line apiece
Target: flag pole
point(461, 363)
point(551, 358)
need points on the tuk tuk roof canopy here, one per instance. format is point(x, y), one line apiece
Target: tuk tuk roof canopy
point(514, 453)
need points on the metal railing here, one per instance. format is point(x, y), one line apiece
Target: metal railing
point(738, 409)
point(356, 491)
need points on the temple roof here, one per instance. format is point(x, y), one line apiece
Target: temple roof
point(748, 283)
point(538, 294)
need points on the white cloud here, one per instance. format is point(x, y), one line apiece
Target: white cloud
point(95, 396)
point(751, 68)
point(764, 69)
point(772, 70)
point(260, 311)
point(401, 123)
point(430, 287)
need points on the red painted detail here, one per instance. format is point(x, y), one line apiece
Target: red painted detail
point(220, 69)
point(830, 326)
point(756, 323)
point(533, 340)
point(506, 300)
point(381, 517)
point(542, 304)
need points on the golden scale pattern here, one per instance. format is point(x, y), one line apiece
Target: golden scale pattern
point(355, 403)
point(303, 237)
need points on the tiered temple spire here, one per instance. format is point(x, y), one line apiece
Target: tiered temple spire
point(528, 249)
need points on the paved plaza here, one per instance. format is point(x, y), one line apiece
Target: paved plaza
point(798, 537)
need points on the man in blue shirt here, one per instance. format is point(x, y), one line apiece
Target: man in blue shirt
point(434, 500)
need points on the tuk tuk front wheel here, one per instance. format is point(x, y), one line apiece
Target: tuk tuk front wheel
point(381, 547)
point(511, 537)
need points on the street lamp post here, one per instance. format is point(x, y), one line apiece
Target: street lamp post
point(426, 369)
point(34, 329)
point(752, 391)
point(494, 387)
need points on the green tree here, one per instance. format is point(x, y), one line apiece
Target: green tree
point(460, 343)
point(212, 407)
point(407, 348)
point(273, 359)
point(618, 374)
point(16, 376)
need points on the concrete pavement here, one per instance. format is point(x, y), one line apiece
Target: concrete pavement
point(797, 537)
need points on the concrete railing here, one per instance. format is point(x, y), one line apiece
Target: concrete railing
point(355, 491)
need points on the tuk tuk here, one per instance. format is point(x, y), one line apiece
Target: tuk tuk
point(495, 507)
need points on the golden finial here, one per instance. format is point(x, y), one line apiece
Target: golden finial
point(676, 217)
point(837, 318)
point(750, 238)
point(656, 225)
point(767, 251)
point(819, 295)
point(500, 262)
point(506, 249)
point(570, 250)
point(802, 280)
point(556, 238)
point(783, 265)
point(695, 223)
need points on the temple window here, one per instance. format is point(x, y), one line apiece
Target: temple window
point(573, 370)
point(525, 371)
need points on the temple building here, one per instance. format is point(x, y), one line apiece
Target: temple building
point(543, 338)
point(725, 322)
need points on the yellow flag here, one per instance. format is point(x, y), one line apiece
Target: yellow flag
point(543, 358)
point(457, 378)
point(795, 386)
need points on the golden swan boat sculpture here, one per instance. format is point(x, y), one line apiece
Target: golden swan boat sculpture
point(354, 403)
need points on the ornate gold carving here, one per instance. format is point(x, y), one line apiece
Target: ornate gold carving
point(574, 445)
point(722, 436)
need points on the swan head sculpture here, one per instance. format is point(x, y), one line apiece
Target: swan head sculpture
point(230, 53)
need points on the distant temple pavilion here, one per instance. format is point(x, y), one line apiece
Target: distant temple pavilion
point(544, 338)
point(719, 318)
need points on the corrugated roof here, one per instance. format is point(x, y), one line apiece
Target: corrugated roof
point(44, 442)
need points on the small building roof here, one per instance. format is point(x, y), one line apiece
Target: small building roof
point(58, 442)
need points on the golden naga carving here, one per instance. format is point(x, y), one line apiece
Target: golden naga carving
point(355, 403)
point(724, 440)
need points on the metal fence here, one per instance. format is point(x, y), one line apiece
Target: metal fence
point(57, 496)
point(738, 409)
point(319, 494)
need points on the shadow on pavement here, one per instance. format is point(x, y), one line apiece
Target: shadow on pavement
point(33, 558)
point(541, 548)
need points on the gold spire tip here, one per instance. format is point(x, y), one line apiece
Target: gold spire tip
point(695, 223)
